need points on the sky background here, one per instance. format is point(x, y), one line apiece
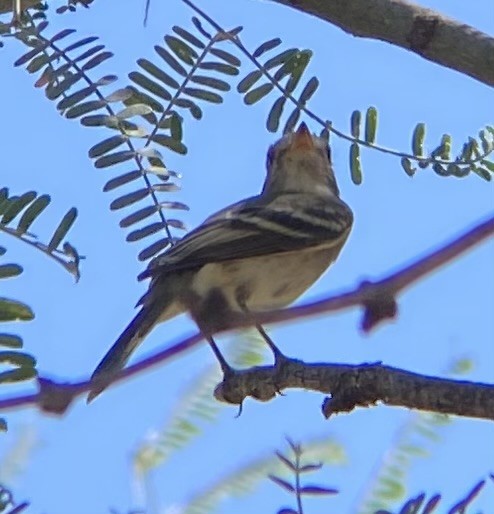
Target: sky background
point(82, 463)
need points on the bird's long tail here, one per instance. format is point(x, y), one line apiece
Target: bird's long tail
point(118, 355)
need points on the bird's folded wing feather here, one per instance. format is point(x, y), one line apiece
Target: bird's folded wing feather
point(248, 229)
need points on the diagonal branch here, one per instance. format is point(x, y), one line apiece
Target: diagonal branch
point(378, 301)
point(427, 33)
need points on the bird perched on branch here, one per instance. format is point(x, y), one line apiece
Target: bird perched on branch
point(258, 254)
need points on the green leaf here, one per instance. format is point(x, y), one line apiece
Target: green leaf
point(129, 199)
point(370, 125)
point(226, 56)
point(406, 163)
point(18, 375)
point(11, 310)
point(181, 49)
point(248, 81)
point(184, 34)
point(137, 216)
point(76, 97)
point(32, 212)
point(292, 120)
point(355, 124)
point(120, 95)
point(418, 138)
point(176, 129)
point(10, 341)
point(141, 233)
point(266, 47)
point(100, 120)
point(258, 93)
point(114, 158)
point(488, 164)
point(203, 94)
point(153, 249)
point(198, 25)
point(274, 116)
point(97, 60)
point(158, 73)
point(150, 85)
point(281, 58)
point(482, 173)
point(211, 82)
point(220, 67)
point(107, 145)
point(355, 165)
point(19, 359)
point(16, 205)
point(10, 270)
point(309, 89)
point(170, 60)
point(62, 229)
point(134, 110)
point(121, 180)
point(83, 108)
point(171, 143)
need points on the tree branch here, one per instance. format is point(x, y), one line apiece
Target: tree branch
point(378, 300)
point(427, 33)
point(362, 385)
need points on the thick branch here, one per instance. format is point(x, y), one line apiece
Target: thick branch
point(361, 386)
point(425, 32)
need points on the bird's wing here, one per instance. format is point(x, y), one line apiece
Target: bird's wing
point(249, 229)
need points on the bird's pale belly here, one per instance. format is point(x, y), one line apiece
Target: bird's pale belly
point(265, 282)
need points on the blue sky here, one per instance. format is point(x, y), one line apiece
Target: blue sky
point(82, 462)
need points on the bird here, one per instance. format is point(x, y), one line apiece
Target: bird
point(258, 254)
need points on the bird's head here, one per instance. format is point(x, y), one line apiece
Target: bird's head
point(300, 162)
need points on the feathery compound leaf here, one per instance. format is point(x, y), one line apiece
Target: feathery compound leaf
point(107, 145)
point(169, 142)
point(281, 58)
point(122, 180)
point(11, 310)
point(129, 199)
point(62, 229)
point(170, 60)
point(16, 205)
point(274, 116)
point(226, 56)
point(32, 53)
point(418, 138)
point(248, 81)
point(184, 34)
point(10, 270)
point(153, 249)
point(158, 73)
point(181, 49)
point(309, 89)
point(258, 93)
point(355, 165)
point(266, 47)
point(10, 341)
point(370, 125)
point(114, 158)
point(32, 212)
point(355, 124)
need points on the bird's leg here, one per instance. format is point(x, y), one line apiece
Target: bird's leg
point(279, 357)
point(225, 367)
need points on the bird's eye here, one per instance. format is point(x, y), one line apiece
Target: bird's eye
point(270, 157)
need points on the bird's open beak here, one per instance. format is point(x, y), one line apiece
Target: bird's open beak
point(302, 139)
